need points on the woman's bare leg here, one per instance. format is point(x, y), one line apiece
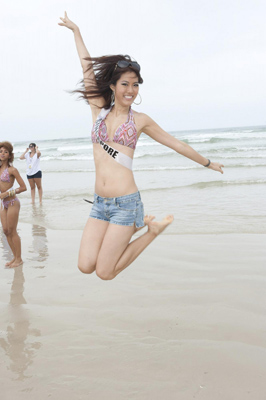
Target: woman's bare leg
point(92, 240)
point(90, 245)
point(9, 239)
point(136, 247)
point(32, 188)
point(117, 253)
point(38, 182)
point(12, 222)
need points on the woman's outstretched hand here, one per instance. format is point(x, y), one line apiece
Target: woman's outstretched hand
point(216, 167)
point(67, 23)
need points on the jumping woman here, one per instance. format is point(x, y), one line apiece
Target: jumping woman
point(10, 203)
point(110, 86)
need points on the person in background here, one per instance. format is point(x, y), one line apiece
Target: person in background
point(10, 203)
point(34, 174)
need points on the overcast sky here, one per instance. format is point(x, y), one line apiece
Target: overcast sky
point(203, 62)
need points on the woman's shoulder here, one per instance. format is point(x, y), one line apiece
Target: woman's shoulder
point(140, 115)
point(12, 170)
point(140, 118)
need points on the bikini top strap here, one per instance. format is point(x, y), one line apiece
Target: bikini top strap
point(131, 115)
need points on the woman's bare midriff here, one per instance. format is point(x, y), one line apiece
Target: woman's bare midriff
point(5, 186)
point(112, 179)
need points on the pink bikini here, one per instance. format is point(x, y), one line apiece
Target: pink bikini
point(5, 177)
point(126, 134)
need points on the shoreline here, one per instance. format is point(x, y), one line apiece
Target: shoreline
point(165, 233)
point(185, 320)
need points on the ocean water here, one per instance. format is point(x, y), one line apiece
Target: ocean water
point(202, 201)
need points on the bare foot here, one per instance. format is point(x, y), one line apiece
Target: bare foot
point(147, 220)
point(9, 262)
point(158, 227)
point(16, 264)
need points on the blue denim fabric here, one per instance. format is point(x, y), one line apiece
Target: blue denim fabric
point(123, 210)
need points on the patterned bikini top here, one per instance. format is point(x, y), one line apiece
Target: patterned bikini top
point(5, 176)
point(126, 134)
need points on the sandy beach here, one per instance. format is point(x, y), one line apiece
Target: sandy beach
point(185, 321)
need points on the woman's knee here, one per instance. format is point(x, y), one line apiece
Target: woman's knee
point(10, 232)
point(13, 233)
point(105, 274)
point(6, 231)
point(86, 268)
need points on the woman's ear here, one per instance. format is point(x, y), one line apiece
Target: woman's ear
point(112, 87)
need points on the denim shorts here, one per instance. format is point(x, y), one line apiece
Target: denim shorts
point(37, 175)
point(124, 210)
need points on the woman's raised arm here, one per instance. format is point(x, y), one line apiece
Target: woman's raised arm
point(88, 73)
point(22, 157)
point(157, 133)
point(38, 152)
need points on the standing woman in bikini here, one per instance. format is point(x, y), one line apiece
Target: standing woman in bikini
point(10, 203)
point(111, 84)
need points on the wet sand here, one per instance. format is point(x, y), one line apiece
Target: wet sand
point(185, 321)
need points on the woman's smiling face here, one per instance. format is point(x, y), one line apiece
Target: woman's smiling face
point(126, 88)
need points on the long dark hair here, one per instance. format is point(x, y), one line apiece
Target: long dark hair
point(106, 73)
